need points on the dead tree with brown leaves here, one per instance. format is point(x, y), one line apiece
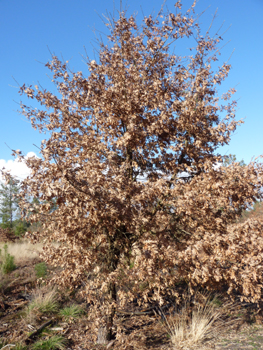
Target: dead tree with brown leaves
point(120, 138)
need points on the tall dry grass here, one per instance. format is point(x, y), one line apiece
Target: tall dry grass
point(44, 301)
point(192, 326)
point(24, 250)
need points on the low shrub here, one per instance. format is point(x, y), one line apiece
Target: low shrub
point(7, 261)
point(20, 228)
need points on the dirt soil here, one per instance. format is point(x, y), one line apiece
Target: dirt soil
point(249, 337)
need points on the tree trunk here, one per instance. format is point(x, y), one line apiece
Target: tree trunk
point(105, 333)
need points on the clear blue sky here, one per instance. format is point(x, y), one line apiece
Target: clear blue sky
point(30, 27)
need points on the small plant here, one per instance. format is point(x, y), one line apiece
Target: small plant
point(132, 265)
point(44, 302)
point(190, 327)
point(56, 342)
point(41, 270)
point(72, 311)
point(7, 261)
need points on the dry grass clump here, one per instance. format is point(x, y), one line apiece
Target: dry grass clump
point(192, 326)
point(45, 301)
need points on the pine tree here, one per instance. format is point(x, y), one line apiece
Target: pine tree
point(9, 203)
point(231, 158)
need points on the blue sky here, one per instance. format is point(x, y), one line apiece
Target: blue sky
point(29, 29)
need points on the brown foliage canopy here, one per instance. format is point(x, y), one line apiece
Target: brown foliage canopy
point(120, 140)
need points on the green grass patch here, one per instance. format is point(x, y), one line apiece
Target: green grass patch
point(41, 270)
point(57, 342)
point(72, 311)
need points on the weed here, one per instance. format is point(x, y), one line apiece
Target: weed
point(44, 302)
point(41, 270)
point(7, 261)
point(53, 343)
point(132, 265)
point(72, 311)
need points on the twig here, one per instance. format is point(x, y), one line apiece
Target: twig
point(149, 311)
point(39, 329)
point(24, 283)
point(134, 313)
point(15, 305)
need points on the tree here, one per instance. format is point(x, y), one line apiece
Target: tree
point(120, 138)
point(9, 203)
point(231, 158)
point(9, 208)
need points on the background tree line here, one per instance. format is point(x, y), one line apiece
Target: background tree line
point(10, 211)
point(9, 208)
